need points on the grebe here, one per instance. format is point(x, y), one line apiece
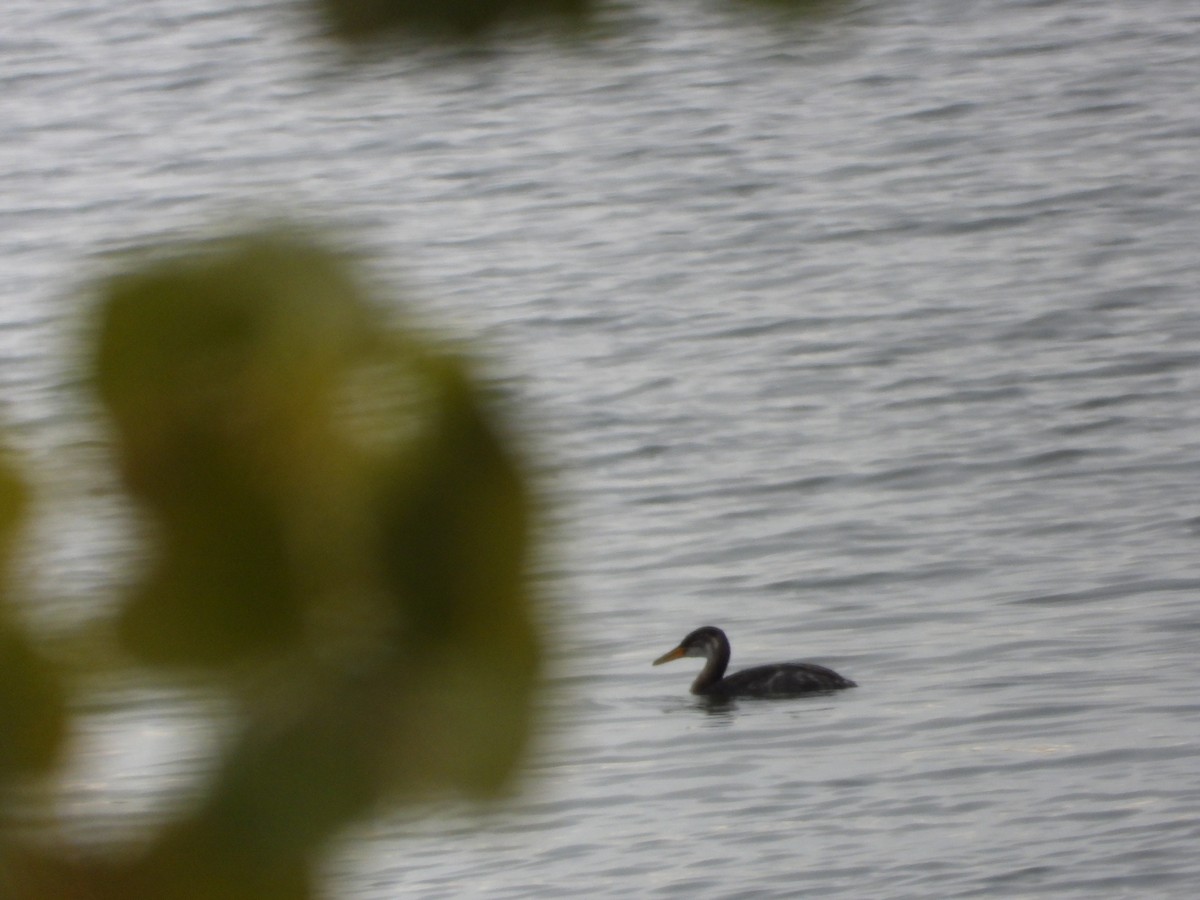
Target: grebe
point(775, 680)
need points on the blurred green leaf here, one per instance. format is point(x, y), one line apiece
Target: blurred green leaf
point(13, 500)
point(455, 547)
point(796, 12)
point(32, 700)
point(219, 371)
point(457, 18)
point(333, 501)
point(32, 706)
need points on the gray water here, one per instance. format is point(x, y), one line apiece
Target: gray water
point(876, 343)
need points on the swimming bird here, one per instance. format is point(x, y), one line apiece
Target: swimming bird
point(774, 680)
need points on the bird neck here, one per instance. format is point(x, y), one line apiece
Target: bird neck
point(717, 655)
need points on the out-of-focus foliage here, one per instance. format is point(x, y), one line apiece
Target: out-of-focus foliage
point(459, 18)
point(32, 720)
point(222, 375)
point(794, 12)
point(340, 534)
point(473, 19)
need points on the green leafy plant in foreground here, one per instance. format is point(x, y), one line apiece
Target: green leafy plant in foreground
point(479, 21)
point(339, 543)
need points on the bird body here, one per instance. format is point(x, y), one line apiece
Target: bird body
point(775, 680)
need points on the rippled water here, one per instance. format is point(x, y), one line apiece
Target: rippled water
point(877, 344)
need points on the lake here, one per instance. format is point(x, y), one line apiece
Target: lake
point(873, 339)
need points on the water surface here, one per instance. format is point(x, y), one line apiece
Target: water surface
point(877, 344)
